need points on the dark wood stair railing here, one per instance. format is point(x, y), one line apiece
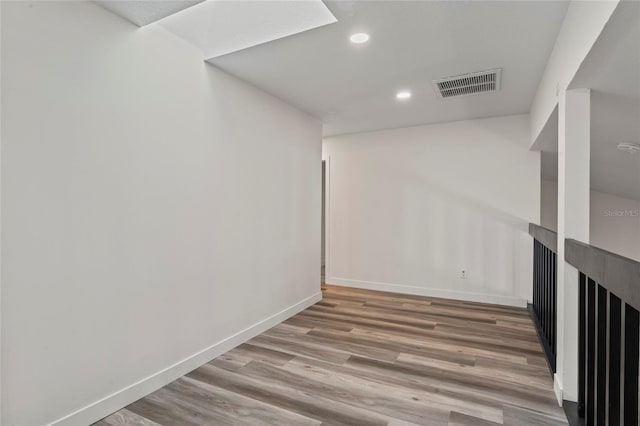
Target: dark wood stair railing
point(608, 335)
point(543, 309)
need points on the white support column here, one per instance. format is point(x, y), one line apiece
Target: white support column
point(574, 152)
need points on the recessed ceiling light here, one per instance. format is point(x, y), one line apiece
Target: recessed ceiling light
point(631, 148)
point(359, 38)
point(404, 94)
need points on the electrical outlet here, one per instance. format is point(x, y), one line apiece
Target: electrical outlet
point(463, 274)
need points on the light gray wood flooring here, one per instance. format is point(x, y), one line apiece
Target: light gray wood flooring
point(361, 357)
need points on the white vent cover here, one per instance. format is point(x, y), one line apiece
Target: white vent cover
point(468, 84)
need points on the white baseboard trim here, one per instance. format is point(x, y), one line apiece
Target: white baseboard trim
point(431, 292)
point(117, 400)
point(557, 389)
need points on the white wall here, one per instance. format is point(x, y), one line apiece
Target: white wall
point(614, 221)
point(615, 224)
point(580, 29)
point(153, 207)
point(409, 208)
point(549, 204)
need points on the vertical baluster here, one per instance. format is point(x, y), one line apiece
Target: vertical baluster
point(591, 352)
point(601, 355)
point(544, 290)
point(554, 291)
point(550, 286)
point(631, 338)
point(539, 286)
point(539, 269)
point(536, 299)
point(615, 325)
point(582, 320)
point(547, 294)
point(538, 280)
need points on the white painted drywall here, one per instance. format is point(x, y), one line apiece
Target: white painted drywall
point(0, 235)
point(580, 29)
point(549, 204)
point(409, 208)
point(153, 206)
point(614, 224)
point(574, 141)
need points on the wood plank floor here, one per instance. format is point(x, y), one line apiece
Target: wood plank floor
point(361, 357)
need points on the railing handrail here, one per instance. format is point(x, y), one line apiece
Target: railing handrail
point(618, 274)
point(546, 236)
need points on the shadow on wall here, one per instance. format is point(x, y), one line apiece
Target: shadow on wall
point(480, 238)
point(412, 208)
point(455, 199)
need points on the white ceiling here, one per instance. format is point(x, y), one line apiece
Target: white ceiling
point(352, 87)
point(147, 11)
point(218, 27)
point(612, 71)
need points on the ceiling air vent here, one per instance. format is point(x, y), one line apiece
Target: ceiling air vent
point(468, 84)
point(628, 147)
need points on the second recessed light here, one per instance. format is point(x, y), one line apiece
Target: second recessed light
point(404, 94)
point(359, 38)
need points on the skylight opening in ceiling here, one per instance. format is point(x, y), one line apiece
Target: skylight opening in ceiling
point(219, 27)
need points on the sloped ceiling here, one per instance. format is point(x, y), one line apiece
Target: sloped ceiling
point(143, 13)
